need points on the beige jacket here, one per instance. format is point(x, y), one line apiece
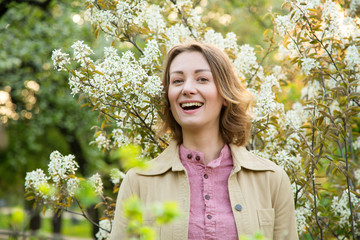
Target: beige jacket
point(260, 193)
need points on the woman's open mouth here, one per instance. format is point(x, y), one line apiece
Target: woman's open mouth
point(191, 105)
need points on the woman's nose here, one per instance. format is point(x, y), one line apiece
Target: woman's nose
point(189, 87)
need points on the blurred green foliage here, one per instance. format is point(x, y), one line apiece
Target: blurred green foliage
point(129, 157)
point(45, 115)
point(134, 211)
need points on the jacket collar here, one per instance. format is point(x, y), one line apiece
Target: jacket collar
point(169, 159)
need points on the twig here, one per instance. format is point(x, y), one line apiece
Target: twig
point(348, 181)
point(321, 43)
point(86, 216)
point(184, 19)
point(133, 42)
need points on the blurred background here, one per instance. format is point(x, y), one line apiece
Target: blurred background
point(38, 114)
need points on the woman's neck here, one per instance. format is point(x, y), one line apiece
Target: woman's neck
point(209, 142)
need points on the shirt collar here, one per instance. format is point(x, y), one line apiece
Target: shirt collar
point(191, 156)
point(242, 158)
point(169, 159)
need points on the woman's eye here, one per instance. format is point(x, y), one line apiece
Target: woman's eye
point(203, 79)
point(176, 81)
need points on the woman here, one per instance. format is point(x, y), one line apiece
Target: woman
point(223, 190)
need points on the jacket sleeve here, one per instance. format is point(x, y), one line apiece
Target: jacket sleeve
point(118, 231)
point(285, 221)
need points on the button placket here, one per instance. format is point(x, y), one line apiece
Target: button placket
point(209, 204)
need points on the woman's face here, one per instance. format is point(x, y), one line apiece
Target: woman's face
point(194, 99)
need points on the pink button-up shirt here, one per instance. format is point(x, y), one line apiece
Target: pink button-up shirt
point(211, 215)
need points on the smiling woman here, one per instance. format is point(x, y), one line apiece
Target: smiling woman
point(195, 102)
point(223, 190)
point(235, 121)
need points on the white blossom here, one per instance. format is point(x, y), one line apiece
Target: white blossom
point(151, 53)
point(184, 4)
point(104, 19)
point(155, 19)
point(130, 11)
point(356, 144)
point(286, 160)
point(270, 134)
point(354, 5)
point(352, 57)
point(284, 24)
point(194, 20)
point(308, 64)
point(341, 27)
point(176, 34)
point(230, 41)
point(296, 117)
point(331, 10)
point(61, 166)
point(74, 82)
point(38, 181)
point(245, 63)
point(153, 85)
point(60, 59)
point(290, 50)
point(214, 38)
point(340, 206)
point(104, 230)
point(35, 178)
point(279, 74)
point(302, 7)
point(119, 136)
point(357, 175)
point(116, 175)
point(97, 183)
point(266, 102)
point(81, 53)
point(301, 214)
point(311, 90)
point(101, 141)
point(72, 185)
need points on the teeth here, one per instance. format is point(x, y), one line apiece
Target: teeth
point(190, 104)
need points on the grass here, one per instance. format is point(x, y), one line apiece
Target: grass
point(79, 228)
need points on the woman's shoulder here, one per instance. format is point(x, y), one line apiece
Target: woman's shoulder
point(252, 161)
point(166, 160)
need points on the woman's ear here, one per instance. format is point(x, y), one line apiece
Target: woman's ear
point(225, 103)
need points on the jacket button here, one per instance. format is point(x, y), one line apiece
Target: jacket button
point(207, 197)
point(238, 207)
point(189, 156)
point(197, 158)
point(209, 216)
point(206, 176)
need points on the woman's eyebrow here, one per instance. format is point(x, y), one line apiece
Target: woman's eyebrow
point(196, 71)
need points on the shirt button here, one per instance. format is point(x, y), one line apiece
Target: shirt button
point(189, 156)
point(209, 216)
point(207, 197)
point(206, 176)
point(197, 158)
point(238, 207)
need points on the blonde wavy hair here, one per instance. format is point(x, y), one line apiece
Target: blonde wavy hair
point(235, 120)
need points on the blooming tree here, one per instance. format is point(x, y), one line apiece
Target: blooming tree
point(316, 140)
